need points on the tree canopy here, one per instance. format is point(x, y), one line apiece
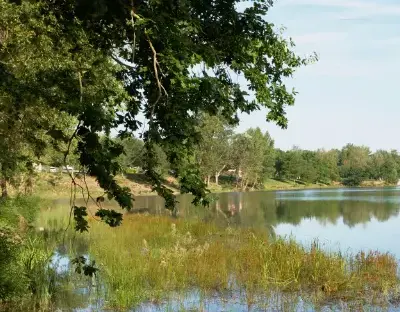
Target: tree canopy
point(104, 62)
point(252, 152)
point(214, 148)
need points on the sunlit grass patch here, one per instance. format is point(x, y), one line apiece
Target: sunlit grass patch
point(152, 257)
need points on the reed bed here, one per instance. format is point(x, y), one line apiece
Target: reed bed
point(149, 258)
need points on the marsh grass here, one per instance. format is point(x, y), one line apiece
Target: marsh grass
point(149, 258)
point(29, 280)
point(16, 216)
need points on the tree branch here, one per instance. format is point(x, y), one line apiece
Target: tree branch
point(161, 88)
point(120, 62)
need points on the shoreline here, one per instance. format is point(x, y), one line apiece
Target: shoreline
point(304, 187)
point(46, 188)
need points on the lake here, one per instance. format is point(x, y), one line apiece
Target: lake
point(346, 219)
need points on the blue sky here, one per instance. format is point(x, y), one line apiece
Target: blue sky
point(349, 95)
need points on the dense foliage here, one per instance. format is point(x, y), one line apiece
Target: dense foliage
point(351, 165)
point(23, 258)
point(250, 158)
point(98, 65)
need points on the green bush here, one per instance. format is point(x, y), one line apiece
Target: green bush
point(12, 209)
point(7, 214)
point(11, 283)
point(27, 207)
point(131, 170)
point(24, 258)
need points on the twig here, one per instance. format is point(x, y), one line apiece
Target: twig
point(133, 46)
point(90, 197)
point(161, 88)
point(71, 204)
point(74, 183)
point(69, 145)
point(134, 33)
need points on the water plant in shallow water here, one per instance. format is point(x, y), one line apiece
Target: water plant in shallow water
point(151, 258)
point(29, 276)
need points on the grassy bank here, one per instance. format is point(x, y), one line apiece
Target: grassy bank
point(58, 185)
point(152, 258)
point(54, 186)
point(278, 185)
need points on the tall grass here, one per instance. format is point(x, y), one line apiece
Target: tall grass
point(153, 257)
point(28, 279)
point(15, 217)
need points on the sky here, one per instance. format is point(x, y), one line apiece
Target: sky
point(349, 95)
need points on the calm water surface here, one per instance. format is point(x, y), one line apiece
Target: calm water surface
point(345, 219)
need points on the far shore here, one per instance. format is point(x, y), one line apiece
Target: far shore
point(56, 186)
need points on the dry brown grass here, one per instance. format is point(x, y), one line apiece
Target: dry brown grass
point(58, 185)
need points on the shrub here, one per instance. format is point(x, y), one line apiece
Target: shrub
point(24, 258)
point(10, 245)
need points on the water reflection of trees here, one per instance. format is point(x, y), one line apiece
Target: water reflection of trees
point(260, 209)
point(264, 209)
point(352, 212)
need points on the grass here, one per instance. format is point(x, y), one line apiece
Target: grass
point(22, 259)
point(272, 184)
point(226, 185)
point(153, 257)
point(158, 258)
point(28, 279)
point(58, 185)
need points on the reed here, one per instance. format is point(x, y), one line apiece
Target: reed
point(154, 257)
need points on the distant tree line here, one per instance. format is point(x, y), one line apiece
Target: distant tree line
point(246, 160)
point(251, 158)
point(351, 165)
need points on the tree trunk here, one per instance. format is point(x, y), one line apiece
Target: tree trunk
point(238, 178)
point(28, 185)
point(218, 173)
point(3, 186)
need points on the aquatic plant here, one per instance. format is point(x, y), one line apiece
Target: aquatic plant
point(150, 258)
point(27, 278)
